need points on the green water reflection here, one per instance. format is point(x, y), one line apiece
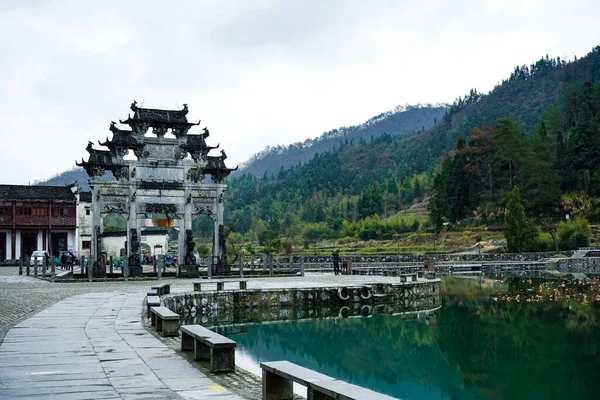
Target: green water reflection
point(475, 348)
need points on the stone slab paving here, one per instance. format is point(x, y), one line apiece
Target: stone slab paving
point(85, 340)
point(93, 346)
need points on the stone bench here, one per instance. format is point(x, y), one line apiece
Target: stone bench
point(220, 283)
point(152, 302)
point(161, 289)
point(406, 277)
point(278, 378)
point(209, 345)
point(165, 321)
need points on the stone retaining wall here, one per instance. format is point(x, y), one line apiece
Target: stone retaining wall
point(583, 265)
point(218, 307)
point(420, 258)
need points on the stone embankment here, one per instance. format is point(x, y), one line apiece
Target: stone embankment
point(271, 304)
point(438, 257)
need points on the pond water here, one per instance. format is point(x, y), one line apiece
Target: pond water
point(518, 339)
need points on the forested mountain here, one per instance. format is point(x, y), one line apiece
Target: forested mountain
point(559, 157)
point(402, 121)
point(539, 123)
point(346, 192)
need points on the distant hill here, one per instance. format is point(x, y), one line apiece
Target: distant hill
point(402, 121)
point(76, 174)
point(341, 186)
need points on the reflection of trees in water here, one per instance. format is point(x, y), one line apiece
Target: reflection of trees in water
point(522, 350)
point(208, 316)
point(477, 349)
point(374, 352)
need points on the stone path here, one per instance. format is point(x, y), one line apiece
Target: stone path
point(94, 346)
point(86, 341)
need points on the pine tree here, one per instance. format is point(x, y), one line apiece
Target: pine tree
point(519, 230)
point(509, 141)
point(542, 187)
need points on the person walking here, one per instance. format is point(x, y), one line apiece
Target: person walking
point(336, 262)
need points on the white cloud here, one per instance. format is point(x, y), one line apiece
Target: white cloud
point(257, 73)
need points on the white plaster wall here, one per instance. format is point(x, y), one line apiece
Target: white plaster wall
point(84, 222)
point(113, 245)
point(8, 253)
point(84, 228)
point(18, 243)
point(156, 240)
point(82, 251)
point(40, 241)
point(71, 244)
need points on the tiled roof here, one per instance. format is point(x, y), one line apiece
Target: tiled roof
point(43, 193)
point(169, 116)
point(85, 197)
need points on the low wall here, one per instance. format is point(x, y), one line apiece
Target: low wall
point(438, 257)
point(282, 262)
point(586, 265)
point(226, 306)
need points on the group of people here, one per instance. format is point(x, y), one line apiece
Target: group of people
point(66, 260)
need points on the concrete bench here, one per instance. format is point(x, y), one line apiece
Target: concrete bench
point(161, 289)
point(165, 321)
point(341, 390)
point(278, 378)
point(209, 345)
point(406, 277)
point(152, 302)
point(220, 283)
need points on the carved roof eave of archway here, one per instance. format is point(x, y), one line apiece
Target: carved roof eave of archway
point(136, 139)
point(157, 123)
point(94, 169)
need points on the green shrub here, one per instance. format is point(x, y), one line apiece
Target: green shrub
point(286, 246)
point(346, 240)
point(574, 233)
point(543, 242)
point(203, 250)
point(317, 231)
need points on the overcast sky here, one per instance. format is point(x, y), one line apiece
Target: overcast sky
point(257, 72)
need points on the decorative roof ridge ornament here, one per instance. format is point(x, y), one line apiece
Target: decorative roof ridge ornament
point(113, 128)
point(128, 121)
point(152, 153)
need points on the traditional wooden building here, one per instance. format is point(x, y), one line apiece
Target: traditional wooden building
point(36, 218)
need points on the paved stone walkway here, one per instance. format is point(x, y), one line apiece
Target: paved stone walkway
point(94, 346)
point(86, 341)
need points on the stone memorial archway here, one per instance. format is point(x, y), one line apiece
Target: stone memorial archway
point(163, 183)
